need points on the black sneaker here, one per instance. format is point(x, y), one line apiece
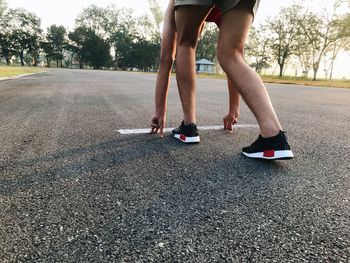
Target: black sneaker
point(187, 133)
point(273, 148)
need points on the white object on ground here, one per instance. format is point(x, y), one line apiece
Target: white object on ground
point(201, 128)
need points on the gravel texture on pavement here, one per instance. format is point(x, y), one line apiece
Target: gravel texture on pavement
point(74, 190)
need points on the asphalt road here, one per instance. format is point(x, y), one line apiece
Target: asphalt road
point(74, 190)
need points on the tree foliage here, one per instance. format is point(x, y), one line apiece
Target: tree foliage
point(76, 45)
point(284, 30)
point(156, 12)
point(119, 29)
point(55, 44)
point(20, 32)
point(90, 48)
point(94, 18)
point(96, 50)
point(207, 42)
point(106, 37)
point(299, 33)
point(3, 7)
point(258, 47)
point(320, 31)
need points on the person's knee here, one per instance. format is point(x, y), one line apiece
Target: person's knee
point(166, 57)
point(229, 54)
point(188, 39)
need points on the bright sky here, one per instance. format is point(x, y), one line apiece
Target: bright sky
point(64, 12)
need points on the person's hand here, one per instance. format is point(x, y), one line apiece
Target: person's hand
point(158, 124)
point(230, 119)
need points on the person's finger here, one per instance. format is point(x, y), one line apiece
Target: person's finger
point(230, 126)
point(152, 130)
point(161, 131)
point(224, 124)
point(154, 126)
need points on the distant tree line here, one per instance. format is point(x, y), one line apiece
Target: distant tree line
point(102, 38)
point(114, 38)
point(301, 37)
point(296, 36)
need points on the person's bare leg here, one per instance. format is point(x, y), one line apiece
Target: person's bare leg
point(167, 56)
point(233, 33)
point(189, 20)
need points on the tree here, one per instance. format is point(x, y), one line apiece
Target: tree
point(321, 31)
point(77, 38)
point(3, 7)
point(148, 35)
point(26, 33)
point(90, 48)
point(5, 39)
point(345, 25)
point(284, 29)
point(128, 37)
point(302, 50)
point(158, 18)
point(122, 45)
point(207, 43)
point(334, 49)
point(131, 37)
point(96, 50)
point(48, 50)
point(20, 32)
point(258, 48)
point(5, 44)
point(114, 25)
point(138, 58)
point(156, 11)
point(95, 18)
point(121, 30)
point(55, 43)
point(34, 49)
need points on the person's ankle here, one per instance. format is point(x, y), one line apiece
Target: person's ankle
point(189, 121)
point(269, 129)
point(270, 133)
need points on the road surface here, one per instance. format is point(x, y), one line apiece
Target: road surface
point(74, 190)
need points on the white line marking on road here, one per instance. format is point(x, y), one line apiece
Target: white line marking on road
point(201, 128)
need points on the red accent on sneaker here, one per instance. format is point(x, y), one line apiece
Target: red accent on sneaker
point(269, 153)
point(182, 137)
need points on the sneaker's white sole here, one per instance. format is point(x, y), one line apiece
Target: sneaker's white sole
point(186, 139)
point(276, 155)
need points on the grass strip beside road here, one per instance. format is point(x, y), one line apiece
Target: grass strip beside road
point(15, 71)
point(336, 83)
point(291, 80)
